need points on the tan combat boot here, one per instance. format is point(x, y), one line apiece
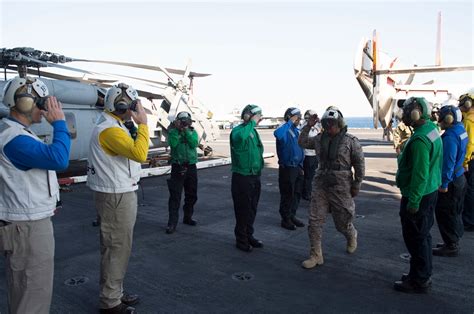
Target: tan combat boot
point(352, 243)
point(315, 258)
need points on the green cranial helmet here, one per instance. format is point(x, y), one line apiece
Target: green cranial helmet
point(410, 109)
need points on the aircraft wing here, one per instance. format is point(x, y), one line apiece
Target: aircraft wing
point(426, 69)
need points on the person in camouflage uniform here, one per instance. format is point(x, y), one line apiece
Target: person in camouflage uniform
point(400, 136)
point(334, 185)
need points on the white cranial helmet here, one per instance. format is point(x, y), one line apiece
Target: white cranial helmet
point(333, 115)
point(119, 97)
point(32, 84)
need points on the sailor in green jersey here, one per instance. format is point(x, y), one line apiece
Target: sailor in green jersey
point(418, 177)
point(247, 162)
point(183, 140)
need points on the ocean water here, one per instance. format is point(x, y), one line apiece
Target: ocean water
point(360, 122)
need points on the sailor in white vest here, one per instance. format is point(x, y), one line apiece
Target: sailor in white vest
point(113, 173)
point(29, 192)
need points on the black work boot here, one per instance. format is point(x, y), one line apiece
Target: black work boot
point(122, 308)
point(288, 224)
point(255, 242)
point(447, 250)
point(297, 222)
point(130, 299)
point(243, 247)
point(408, 285)
point(170, 229)
point(189, 221)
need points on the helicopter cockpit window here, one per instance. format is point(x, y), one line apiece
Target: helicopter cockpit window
point(100, 98)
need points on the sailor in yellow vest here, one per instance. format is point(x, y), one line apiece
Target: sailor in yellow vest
point(467, 109)
point(113, 174)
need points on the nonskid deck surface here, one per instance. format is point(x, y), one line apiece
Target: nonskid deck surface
point(199, 270)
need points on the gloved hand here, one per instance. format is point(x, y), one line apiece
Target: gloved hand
point(412, 211)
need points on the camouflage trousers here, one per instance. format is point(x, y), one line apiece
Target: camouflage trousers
point(336, 200)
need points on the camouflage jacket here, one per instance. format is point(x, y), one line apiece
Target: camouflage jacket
point(349, 155)
point(401, 134)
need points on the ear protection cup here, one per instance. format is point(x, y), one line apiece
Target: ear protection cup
point(25, 104)
point(246, 117)
point(465, 101)
point(448, 119)
point(415, 115)
point(467, 104)
point(449, 115)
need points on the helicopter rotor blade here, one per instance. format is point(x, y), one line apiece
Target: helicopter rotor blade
point(96, 81)
point(133, 65)
point(55, 65)
point(138, 79)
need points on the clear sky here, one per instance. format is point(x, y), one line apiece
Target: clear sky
point(274, 54)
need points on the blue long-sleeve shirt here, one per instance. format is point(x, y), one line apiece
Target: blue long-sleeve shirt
point(26, 153)
point(454, 149)
point(290, 154)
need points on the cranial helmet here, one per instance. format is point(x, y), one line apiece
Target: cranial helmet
point(249, 111)
point(184, 116)
point(119, 98)
point(466, 100)
point(309, 113)
point(332, 116)
point(23, 93)
point(411, 109)
point(449, 115)
point(333, 108)
point(290, 112)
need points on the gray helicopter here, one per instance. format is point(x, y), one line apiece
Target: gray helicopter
point(82, 96)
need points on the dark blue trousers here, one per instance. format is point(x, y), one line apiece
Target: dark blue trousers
point(182, 176)
point(449, 210)
point(290, 182)
point(245, 194)
point(416, 234)
point(468, 211)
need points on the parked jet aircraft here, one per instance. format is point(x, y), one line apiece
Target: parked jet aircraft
point(379, 76)
point(82, 96)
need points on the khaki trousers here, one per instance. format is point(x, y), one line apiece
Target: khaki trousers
point(118, 213)
point(29, 250)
